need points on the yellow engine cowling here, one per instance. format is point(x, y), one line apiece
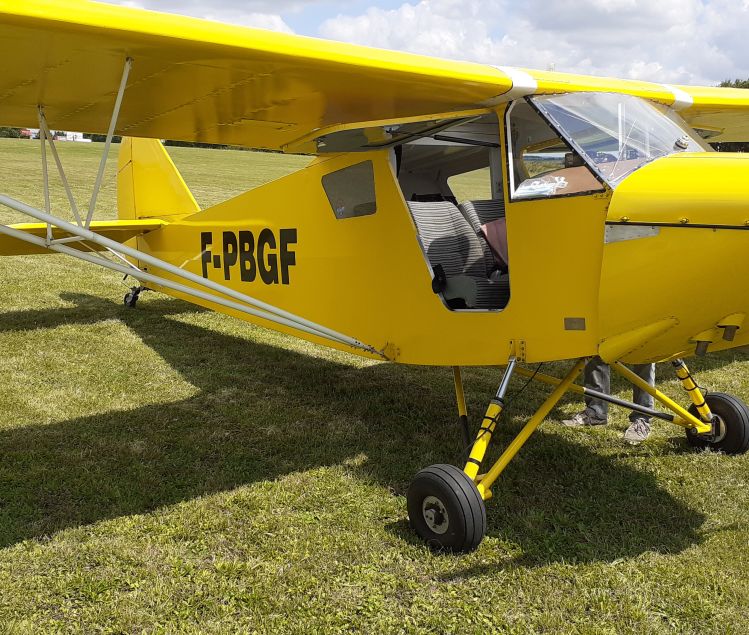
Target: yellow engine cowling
point(677, 238)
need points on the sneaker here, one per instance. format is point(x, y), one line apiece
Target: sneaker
point(583, 419)
point(638, 431)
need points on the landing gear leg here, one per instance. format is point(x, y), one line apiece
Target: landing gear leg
point(131, 297)
point(446, 504)
point(715, 420)
point(460, 398)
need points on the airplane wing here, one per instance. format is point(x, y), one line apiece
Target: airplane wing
point(195, 80)
point(725, 111)
point(119, 230)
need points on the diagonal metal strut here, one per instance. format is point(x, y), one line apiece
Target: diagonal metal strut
point(238, 301)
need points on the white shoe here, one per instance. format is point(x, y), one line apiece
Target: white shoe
point(583, 419)
point(638, 431)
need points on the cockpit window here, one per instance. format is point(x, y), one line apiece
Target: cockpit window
point(542, 164)
point(617, 134)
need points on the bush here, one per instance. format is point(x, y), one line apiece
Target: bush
point(13, 133)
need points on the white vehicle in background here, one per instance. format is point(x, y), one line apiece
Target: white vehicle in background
point(71, 136)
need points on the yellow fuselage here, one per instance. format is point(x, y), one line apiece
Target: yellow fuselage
point(587, 273)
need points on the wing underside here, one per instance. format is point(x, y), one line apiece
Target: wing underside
point(195, 80)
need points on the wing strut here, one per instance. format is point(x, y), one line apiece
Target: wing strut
point(82, 234)
point(108, 142)
point(211, 291)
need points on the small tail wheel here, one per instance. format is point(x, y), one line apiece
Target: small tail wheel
point(131, 297)
point(446, 509)
point(731, 425)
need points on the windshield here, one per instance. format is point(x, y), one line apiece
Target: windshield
point(618, 133)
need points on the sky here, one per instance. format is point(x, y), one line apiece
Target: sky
point(671, 41)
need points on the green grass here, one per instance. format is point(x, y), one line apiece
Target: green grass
point(170, 470)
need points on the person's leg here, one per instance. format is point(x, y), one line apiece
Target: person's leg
point(639, 428)
point(639, 396)
point(597, 377)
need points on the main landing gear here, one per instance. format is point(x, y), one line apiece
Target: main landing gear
point(446, 504)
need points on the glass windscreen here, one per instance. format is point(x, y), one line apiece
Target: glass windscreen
point(618, 133)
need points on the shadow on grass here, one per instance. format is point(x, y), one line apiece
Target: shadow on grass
point(262, 412)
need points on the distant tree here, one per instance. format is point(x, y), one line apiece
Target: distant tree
point(736, 83)
point(194, 144)
point(12, 133)
point(101, 138)
point(732, 146)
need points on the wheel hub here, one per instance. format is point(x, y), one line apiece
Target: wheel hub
point(435, 515)
point(719, 429)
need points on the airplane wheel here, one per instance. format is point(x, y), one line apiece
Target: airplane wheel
point(130, 299)
point(446, 509)
point(732, 434)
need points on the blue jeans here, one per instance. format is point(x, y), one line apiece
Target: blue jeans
point(598, 377)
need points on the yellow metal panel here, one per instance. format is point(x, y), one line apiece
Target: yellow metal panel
point(118, 230)
point(554, 82)
point(204, 81)
point(368, 277)
point(148, 183)
point(694, 271)
point(686, 188)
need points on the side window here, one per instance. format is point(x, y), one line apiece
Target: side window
point(541, 163)
point(471, 186)
point(351, 191)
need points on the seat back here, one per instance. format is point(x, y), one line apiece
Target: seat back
point(478, 213)
point(448, 239)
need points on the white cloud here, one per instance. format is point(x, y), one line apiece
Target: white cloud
point(675, 41)
point(204, 7)
point(261, 14)
point(684, 41)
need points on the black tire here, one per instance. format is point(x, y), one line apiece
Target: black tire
point(130, 299)
point(733, 425)
point(446, 509)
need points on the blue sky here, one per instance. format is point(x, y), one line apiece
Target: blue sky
point(672, 41)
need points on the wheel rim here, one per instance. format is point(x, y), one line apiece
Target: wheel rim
point(435, 515)
point(720, 429)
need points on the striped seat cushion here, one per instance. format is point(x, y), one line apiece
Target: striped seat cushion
point(478, 213)
point(450, 241)
point(493, 294)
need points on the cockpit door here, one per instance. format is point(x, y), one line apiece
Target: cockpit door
point(555, 216)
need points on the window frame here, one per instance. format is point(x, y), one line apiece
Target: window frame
point(510, 155)
point(343, 169)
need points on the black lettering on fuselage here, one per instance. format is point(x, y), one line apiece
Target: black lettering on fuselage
point(230, 252)
point(268, 256)
point(268, 266)
point(247, 267)
point(288, 258)
point(206, 240)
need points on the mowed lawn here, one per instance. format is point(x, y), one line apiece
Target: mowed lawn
point(169, 470)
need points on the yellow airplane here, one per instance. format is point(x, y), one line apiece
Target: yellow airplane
point(612, 228)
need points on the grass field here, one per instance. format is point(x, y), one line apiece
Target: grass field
point(170, 470)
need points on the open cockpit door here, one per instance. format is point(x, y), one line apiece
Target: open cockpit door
point(555, 215)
